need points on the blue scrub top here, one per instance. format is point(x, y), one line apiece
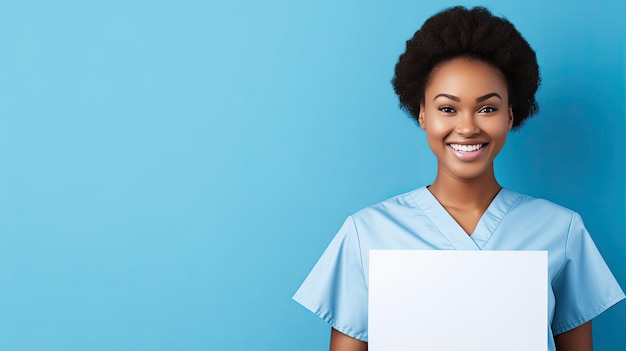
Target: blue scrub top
point(581, 285)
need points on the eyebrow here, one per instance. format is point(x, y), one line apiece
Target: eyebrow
point(458, 99)
point(485, 97)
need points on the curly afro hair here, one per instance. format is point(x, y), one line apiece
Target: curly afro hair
point(474, 33)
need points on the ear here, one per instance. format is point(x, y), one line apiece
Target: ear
point(420, 118)
point(511, 118)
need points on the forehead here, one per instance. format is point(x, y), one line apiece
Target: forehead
point(466, 77)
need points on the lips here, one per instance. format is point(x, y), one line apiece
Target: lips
point(467, 152)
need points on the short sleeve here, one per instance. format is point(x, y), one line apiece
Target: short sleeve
point(585, 287)
point(336, 289)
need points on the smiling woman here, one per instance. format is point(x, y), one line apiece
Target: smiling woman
point(466, 116)
point(468, 78)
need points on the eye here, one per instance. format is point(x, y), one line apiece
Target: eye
point(488, 109)
point(447, 109)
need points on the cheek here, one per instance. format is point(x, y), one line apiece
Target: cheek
point(436, 131)
point(436, 134)
point(497, 130)
point(438, 125)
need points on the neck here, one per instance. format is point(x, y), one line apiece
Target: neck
point(465, 193)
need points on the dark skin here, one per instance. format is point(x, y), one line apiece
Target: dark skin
point(341, 342)
point(577, 339)
point(466, 103)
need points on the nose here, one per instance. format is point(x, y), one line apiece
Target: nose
point(466, 125)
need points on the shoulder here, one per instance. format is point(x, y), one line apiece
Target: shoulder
point(537, 207)
point(397, 206)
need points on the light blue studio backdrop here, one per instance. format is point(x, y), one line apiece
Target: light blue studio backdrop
point(171, 170)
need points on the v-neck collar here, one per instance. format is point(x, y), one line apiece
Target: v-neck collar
point(453, 232)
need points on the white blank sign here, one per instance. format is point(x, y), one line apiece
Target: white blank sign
point(458, 300)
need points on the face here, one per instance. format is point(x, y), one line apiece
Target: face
point(466, 116)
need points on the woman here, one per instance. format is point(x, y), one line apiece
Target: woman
point(467, 77)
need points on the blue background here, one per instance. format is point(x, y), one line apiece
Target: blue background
point(171, 170)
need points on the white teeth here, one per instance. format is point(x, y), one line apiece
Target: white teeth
point(466, 148)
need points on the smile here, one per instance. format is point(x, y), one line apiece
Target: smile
point(467, 148)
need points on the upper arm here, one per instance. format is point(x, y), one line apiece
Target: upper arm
point(584, 287)
point(341, 342)
point(336, 289)
point(577, 339)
